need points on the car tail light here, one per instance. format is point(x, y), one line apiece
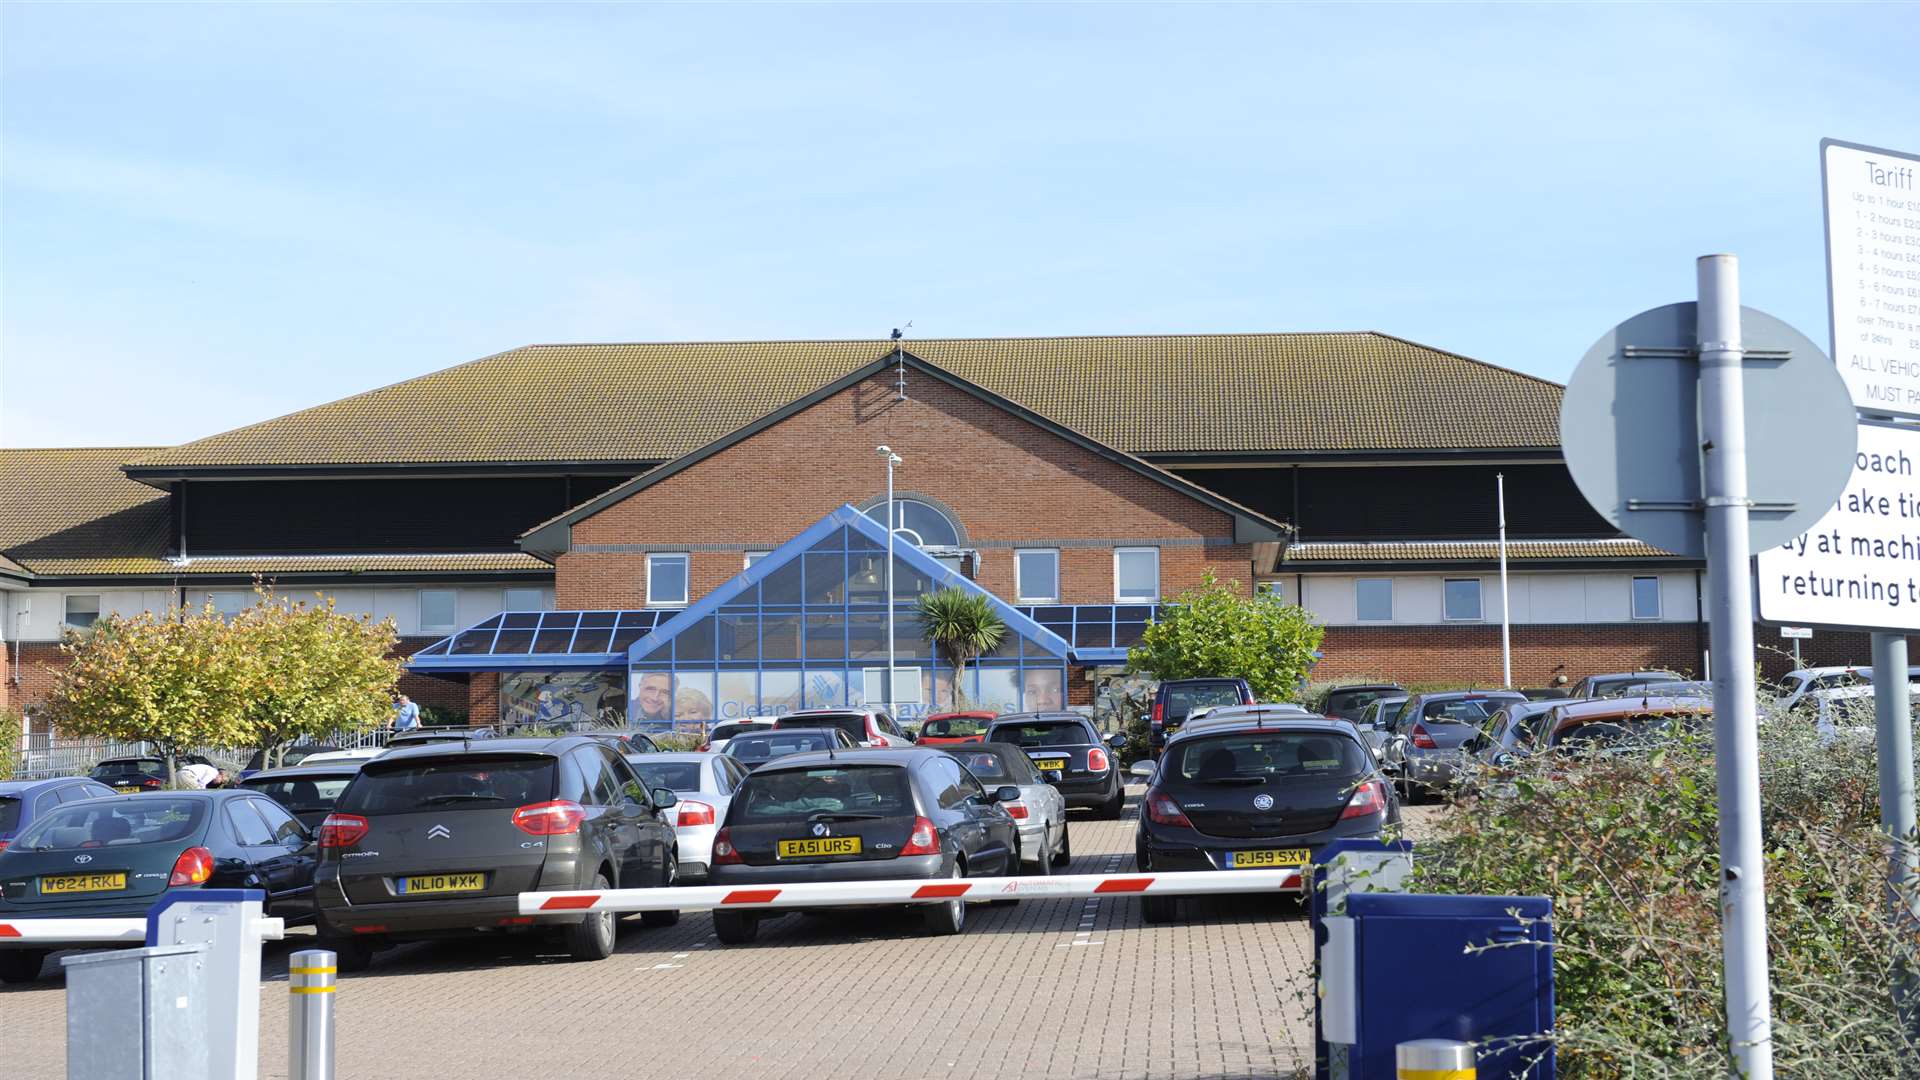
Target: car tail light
point(1018, 810)
point(557, 818)
point(1159, 714)
point(1162, 810)
point(1422, 740)
point(193, 867)
point(1368, 799)
point(724, 853)
point(4, 843)
point(1097, 760)
point(342, 830)
point(375, 928)
point(151, 781)
point(694, 813)
point(925, 839)
point(703, 748)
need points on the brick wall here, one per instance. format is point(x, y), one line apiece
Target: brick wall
point(1420, 655)
point(483, 698)
point(1008, 482)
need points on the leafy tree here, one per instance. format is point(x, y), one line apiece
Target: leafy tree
point(316, 671)
point(1217, 630)
point(177, 680)
point(962, 625)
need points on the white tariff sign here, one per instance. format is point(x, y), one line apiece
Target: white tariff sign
point(1859, 566)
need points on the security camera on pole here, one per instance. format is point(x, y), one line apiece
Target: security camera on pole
point(1654, 425)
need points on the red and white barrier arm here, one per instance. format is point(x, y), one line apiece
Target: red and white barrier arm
point(839, 893)
point(75, 931)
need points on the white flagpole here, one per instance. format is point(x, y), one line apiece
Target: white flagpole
point(1506, 612)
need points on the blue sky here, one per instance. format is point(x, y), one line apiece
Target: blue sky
point(212, 215)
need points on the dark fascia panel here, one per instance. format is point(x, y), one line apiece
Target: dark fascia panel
point(1482, 565)
point(163, 475)
point(551, 538)
point(384, 577)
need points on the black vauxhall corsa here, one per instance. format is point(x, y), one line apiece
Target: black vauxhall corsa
point(862, 815)
point(1068, 754)
point(440, 840)
point(1260, 795)
point(112, 858)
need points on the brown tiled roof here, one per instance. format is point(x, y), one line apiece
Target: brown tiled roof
point(77, 504)
point(1143, 395)
point(1468, 551)
point(270, 565)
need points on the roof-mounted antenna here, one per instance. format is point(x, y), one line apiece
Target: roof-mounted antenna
point(900, 362)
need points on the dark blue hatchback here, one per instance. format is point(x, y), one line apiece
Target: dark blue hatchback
point(24, 801)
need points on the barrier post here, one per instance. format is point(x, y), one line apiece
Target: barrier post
point(1434, 1059)
point(310, 986)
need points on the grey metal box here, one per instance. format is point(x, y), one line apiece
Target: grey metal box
point(137, 1014)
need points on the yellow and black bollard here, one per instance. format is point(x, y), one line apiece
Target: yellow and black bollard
point(310, 986)
point(1434, 1059)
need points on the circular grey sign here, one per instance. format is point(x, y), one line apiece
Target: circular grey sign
point(1629, 426)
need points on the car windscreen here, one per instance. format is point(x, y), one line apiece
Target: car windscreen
point(1459, 710)
point(854, 724)
point(993, 769)
point(672, 775)
point(770, 745)
point(1622, 731)
point(123, 766)
point(832, 791)
point(462, 783)
point(1064, 733)
point(9, 814)
point(301, 793)
point(117, 823)
point(1349, 704)
point(731, 731)
point(1182, 700)
point(953, 727)
point(1265, 755)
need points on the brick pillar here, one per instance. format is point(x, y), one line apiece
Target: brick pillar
point(483, 698)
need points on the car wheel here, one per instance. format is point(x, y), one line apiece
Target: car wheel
point(1110, 810)
point(1160, 909)
point(667, 881)
point(736, 927)
point(349, 954)
point(1046, 855)
point(950, 916)
point(1065, 854)
point(21, 965)
point(592, 937)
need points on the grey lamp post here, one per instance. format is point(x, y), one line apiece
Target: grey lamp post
point(892, 460)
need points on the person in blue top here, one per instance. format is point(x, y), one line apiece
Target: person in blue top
point(406, 715)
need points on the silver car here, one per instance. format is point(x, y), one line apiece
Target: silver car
point(1377, 718)
point(1426, 747)
point(704, 783)
point(1040, 814)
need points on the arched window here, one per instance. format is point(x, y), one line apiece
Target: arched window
point(919, 521)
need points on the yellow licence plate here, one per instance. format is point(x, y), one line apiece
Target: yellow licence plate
point(441, 883)
point(1051, 765)
point(127, 789)
point(809, 849)
point(73, 883)
point(1267, 860)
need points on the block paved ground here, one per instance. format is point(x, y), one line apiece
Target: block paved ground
point(1048, 989)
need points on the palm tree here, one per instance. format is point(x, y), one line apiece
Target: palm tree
point(961, 625)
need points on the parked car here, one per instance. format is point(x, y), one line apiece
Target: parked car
point(866, 727)
point(335, 757)
point(758, 748)
point(308, 792)
point(1620, 682)
point(1070, 755)
point(1619, 725)
point(1173, 699)
point(625, 743)
point(1849, 712)
point(442, 839)
point(1256, 796)
point(954, 728)
point(289, 757)
point(718, 737)
point(1349, 702)
point(1513, 732)
point(877, 815)
point(418, 736)
point(22, 802)
point(704, 783)
point(148, 772)
point(1040, 813)
point(1796, 685)
point(1377, 718)
point(111, 858)
point(1423, 750)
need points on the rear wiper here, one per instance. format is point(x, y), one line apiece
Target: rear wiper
point(435, 800)
point(828, 815)
point(1233, 780)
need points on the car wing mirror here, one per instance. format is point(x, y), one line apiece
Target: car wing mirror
point(1117, 740)
point(1141, 769)
point(1006, 793)
point(664, 798)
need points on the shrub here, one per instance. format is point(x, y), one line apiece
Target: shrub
point(1627, 849)
point(1217, 630)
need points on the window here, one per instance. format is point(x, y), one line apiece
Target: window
point(1373, 599)
point(526, 600)
point(922, 523)
point(82, 609)
point(1461, 600)
point(1136, 574)
point(286, 830)
point(666, 580)
point(248, 828)
point(1037, 576)
point(233, 603)
point(754, 557)
point(1646, 598)
point(436, 609)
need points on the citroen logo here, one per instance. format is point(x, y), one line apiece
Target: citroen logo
point(820, 829)
point(439, 832)
point(83, 858)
